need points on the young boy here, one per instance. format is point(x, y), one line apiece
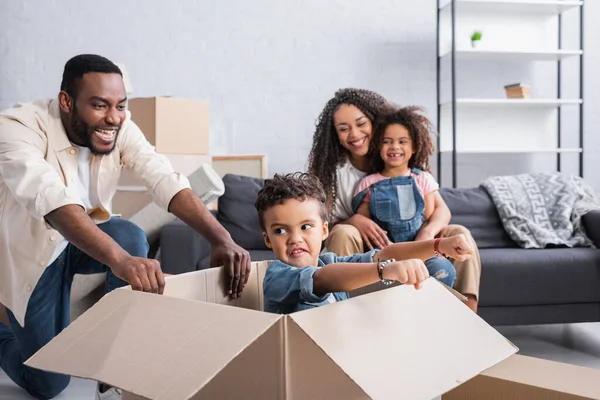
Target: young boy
point(293, 217)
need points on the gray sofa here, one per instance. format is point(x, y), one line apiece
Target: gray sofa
point(518, 286)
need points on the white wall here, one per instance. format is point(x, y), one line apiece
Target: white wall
point(266, 66)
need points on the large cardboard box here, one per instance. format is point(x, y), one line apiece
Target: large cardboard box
point(132, 196)
point(204, 182)
point(173, 125)
point(196, 343)
point(128, 202)
point(247, 165)
point(183, 163)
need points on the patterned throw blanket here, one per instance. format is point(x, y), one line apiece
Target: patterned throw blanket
point(543, 209)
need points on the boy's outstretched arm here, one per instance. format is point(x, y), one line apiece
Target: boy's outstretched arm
point(456, 247)
point(344, 277)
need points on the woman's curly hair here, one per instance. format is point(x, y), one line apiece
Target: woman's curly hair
point(419, 128)
point(327, 153)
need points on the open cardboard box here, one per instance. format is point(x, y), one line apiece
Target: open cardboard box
point(527, 378)
point(196, 343)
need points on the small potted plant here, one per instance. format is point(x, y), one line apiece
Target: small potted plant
point(476, 39)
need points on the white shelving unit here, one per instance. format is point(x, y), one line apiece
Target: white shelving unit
point(516, 33)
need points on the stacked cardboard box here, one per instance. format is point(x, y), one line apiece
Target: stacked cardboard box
point(173, 126)
point(132, 195)
point(179, 130)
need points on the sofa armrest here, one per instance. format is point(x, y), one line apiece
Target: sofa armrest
point(182, 249)
point(591, 224)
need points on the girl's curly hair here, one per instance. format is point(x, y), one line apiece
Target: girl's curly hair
point(327, 153)
point(419, 128)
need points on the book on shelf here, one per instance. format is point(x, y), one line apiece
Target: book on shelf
point(517, 91)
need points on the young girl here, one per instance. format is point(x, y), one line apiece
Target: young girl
point(402, 196)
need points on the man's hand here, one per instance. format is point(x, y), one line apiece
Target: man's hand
point(143, 274)
point(77, 227)
point(408, 272)
point(371, 233)
point(237, 265)
point(457, 247)
point(188, 207)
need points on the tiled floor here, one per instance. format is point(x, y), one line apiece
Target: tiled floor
point(576, 344)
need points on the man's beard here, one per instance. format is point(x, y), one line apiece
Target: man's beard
point(83, 132)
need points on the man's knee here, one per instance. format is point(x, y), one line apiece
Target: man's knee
point(129, 236)
point(45, 385)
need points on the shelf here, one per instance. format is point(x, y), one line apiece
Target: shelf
point(514, 102)
point(506, 54)
point(509, 151)
point(542, 7)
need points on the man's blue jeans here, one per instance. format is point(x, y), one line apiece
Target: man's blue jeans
point(48, 310)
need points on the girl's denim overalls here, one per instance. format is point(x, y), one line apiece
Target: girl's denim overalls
point(398, 207)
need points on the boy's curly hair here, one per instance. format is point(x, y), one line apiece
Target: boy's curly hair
point(327, 153)
point(298, 185)
point(419, 128)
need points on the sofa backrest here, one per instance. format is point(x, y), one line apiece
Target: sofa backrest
point(474, 209)
point(236, 211)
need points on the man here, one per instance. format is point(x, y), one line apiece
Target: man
point(60, 162)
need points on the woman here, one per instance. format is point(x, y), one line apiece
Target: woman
point(339, 158)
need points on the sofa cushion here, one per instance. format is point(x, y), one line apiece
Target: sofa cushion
point(519, 277)
point(181, 248)
point(236, 211)
point(255, 255)
point(474, 209)
point(262, 255)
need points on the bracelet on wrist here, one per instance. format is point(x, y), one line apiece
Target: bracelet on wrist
point(436, 248)
point(380, 266)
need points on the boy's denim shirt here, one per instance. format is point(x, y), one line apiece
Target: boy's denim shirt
point(288, 289)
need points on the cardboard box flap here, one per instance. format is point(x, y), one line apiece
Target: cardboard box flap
point(409, 352)
point(307, 364)
point(148, 344)
point(256, 373)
